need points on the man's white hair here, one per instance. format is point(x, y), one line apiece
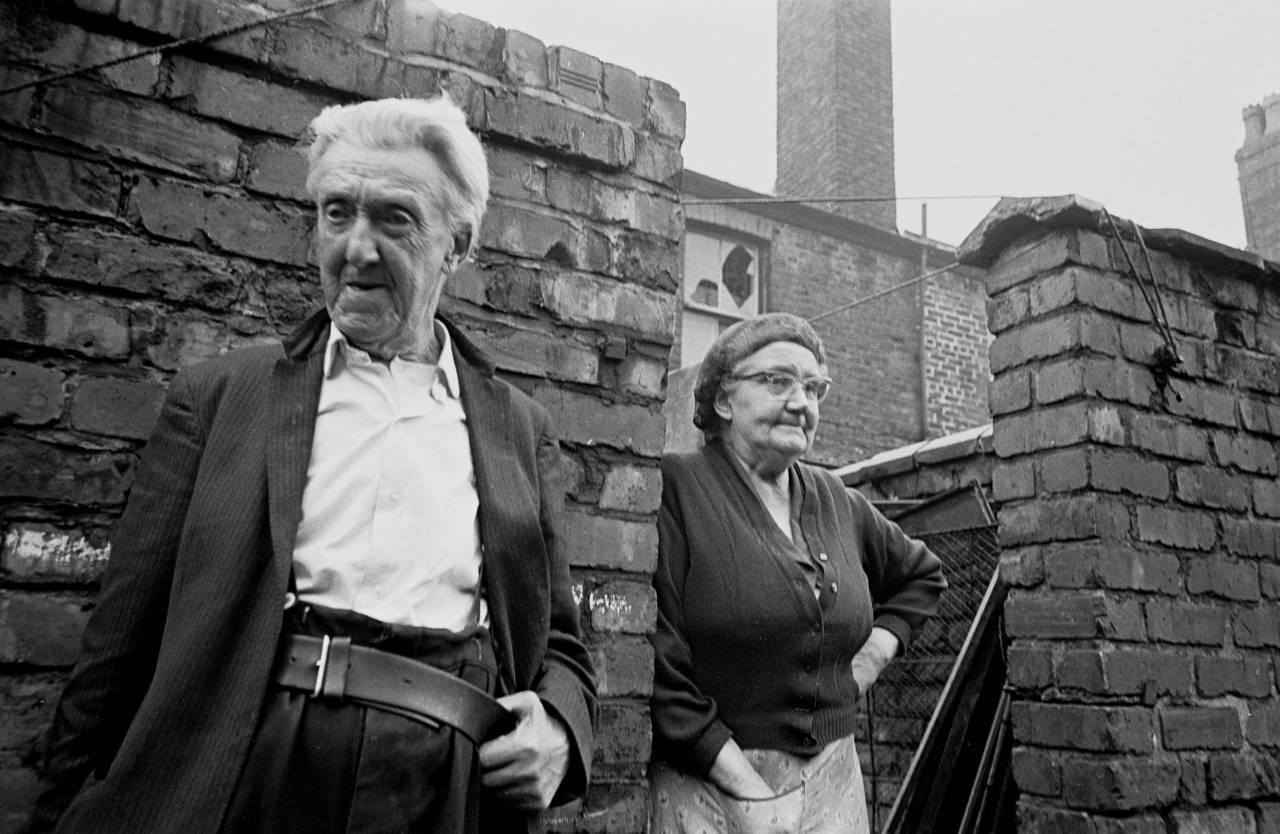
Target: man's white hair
point(436, 125)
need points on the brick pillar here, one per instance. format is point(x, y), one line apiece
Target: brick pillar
point(835, 104)
point(1139, 526)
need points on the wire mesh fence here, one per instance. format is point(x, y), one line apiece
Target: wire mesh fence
point(897, 710)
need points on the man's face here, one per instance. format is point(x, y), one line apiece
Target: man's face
point(384, 245)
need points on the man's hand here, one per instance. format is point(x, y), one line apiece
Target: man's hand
point(525, 767)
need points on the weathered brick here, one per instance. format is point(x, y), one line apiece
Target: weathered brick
point(469, 41)
point(1089, 515)
point(1268, 817)
point(308, 53)
point(1040, 819)
point(33, 176)
point(1193, 785)
point(1248, 676)
point(1010, 391)
point(630, 488)
point(1186, 529)
point(277, 170)
point(1030, 666)
point(657, 159)
point(1212, 487)
point(1063, 471)
point(598, 542)
point(624, 95)
point(144, 131)
point(1124, 671)
point(645, 259)
point(1022, 566)
point(1199, 728)
point(1226, 578)
point(1007, 309)
point(60, 46)
point(1168, 437)
point(40, 630)
point(1202, 402)
point(1252, 454)
point(1111, 565)
point(549, 125)
point(586, 300)
point(619, 605)
point(584, 419)
point(1251, 537)
point(1013, 480)
point(1266, 497)
point(666, 110)
point(1243, 775)
point(1212, 821)
point(1054, 335)
point(1080, 669)
point(575, 75)
point(540, 235)
point(524, 59)
point(608, 807)
point(1119, 784)
point(182, 212)
point(1264, 725)
point(41, 553)
point(116, 407)
point(1084, 727)
point(1036, 771)
point(541, 354)
point(1257, 627)
point(243, 100)
point(1123, 471)
point(1269, 580)
point(81, 325)
point(30, 469)
point(623, 666)
point(624, 733)
point(1186, 622)
point(643, 376)
point(30, 395)
point(1043, 251)
point(1062, 615)
point(142, 267)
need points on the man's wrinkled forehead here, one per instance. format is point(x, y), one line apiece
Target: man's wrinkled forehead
point(348, 168)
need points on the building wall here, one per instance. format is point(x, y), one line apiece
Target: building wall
point(1258, 161)
point(835, 104)
point(955, 345)
point(152, 215)
point(1140, 521)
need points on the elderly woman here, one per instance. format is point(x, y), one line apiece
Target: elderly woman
point(781, 597)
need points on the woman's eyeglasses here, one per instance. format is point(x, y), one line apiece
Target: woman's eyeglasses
point(781, 384)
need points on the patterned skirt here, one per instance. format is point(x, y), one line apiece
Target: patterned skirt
point(819, 794)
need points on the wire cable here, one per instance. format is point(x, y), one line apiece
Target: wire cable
point(225, 31)
point(859, 198)
point(884, 292)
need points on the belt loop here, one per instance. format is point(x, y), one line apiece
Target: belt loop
point(322, 666)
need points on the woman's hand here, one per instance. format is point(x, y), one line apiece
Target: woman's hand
point(881, 647)
point(733, 774)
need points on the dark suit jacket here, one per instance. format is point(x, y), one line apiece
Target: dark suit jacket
point(176, 656)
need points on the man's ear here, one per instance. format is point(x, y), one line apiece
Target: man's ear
point(721, 405)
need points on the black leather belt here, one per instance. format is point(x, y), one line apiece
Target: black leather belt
point(331, 667)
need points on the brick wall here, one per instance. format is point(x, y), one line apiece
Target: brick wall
point(835, 104)
point(1258, 162)
point(955, 344)
point(152, 215)
point(1140, 523)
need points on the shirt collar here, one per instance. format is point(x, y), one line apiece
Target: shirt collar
point(339, 348)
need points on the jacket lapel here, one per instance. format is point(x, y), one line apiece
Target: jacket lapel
point(295, 395)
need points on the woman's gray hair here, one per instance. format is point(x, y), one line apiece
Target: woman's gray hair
point(737, 343)
point(436, 125)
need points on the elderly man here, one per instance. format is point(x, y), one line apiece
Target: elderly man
point(335, 556)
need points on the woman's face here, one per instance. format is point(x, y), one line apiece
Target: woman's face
point(765, 425)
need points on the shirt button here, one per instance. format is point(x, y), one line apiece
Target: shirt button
point(822, 557)
point(834, 587)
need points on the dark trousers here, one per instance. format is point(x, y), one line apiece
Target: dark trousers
point(318, 766)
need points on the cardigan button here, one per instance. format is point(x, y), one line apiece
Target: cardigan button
point(822, 557)
point(834, 587)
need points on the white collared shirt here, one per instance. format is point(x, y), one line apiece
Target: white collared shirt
point(390, 512)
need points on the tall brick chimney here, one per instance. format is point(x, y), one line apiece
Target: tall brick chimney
point(1259, 164)
point(835, 104)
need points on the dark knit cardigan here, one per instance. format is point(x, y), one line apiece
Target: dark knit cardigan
point(743, 649)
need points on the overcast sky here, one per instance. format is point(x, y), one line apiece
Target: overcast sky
point(1135, 103)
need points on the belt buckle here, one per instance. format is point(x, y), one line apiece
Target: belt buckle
point(322, 666)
